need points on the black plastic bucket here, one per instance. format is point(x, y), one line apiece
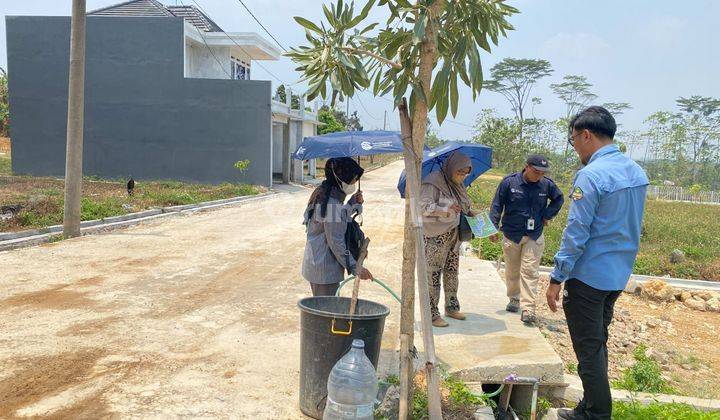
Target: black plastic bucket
point(326, 334)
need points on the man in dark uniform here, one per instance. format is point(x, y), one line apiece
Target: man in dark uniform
point(524, 202)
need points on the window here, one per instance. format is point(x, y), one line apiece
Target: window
point(239, 69)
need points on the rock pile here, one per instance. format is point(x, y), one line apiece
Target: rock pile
point(699, 300)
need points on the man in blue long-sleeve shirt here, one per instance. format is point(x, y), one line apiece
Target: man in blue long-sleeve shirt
point(597, 252)
point(524, 202)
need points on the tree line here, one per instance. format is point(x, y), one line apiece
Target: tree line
point(4, 105)
point(680, 146)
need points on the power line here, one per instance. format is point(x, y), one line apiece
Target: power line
point(365, 109)
point(243, 49)
point(262, 26)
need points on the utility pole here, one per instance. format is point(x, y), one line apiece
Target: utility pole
point(76, 104)
point(385, 121)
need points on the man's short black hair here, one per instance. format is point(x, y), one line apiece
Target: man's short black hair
point(597, 120)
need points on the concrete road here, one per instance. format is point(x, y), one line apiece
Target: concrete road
point(194, 316)
point(197, 316)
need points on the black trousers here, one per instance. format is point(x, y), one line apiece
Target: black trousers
point(324, 289)
point(589, 312)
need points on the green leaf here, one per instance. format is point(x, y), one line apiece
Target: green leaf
point(335, 81)
point(368, 28)
point(441, 108)
point(454, 96)
point(462, 71)
point(314, 90)
point(419, 30)
point(307, 24)
point(329, 14)
point(345, 60)
point(376, 85)
point(363, 14)
point(439, 89)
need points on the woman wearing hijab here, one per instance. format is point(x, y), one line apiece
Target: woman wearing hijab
point(326, 218)
point(443, 199)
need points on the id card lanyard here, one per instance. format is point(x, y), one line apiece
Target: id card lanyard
point(530, 223)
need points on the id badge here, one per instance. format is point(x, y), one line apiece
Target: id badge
point(530, 224)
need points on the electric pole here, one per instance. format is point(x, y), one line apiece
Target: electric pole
point(385, 120)
point(75, 118)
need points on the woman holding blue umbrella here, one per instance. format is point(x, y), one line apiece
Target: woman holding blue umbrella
point(326, 217)
point(443, 200)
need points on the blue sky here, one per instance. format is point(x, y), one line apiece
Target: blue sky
point(645, 52)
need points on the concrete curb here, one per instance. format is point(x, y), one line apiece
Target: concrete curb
point(640, 279)
point(644, 398)
point(574, 393)
point(14, 240)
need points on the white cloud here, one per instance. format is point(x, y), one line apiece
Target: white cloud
point(576, 46)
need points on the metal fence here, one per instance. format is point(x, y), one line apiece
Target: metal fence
point(662, 192)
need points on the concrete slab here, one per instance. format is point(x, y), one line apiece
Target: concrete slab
point(492, 343)
point(484, 413)
point(552, 414)
point(572, 393)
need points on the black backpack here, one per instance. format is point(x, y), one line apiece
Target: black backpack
point(354, 238)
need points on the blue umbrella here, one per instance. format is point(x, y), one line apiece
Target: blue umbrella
point(349, 144)
point(481, 157)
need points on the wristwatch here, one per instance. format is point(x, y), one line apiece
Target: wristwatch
point(553, 281)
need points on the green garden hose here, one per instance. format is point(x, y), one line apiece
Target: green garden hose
point(383, 285)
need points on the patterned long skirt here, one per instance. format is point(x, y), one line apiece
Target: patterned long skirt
point(443, 260)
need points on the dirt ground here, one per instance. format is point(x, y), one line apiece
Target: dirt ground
point(683, 340)
point(195, 316)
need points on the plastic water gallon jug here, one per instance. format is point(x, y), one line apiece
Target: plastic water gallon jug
point(352, 387)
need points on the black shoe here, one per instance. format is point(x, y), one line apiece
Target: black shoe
point(577, 413)
point(568, 414)
point(513, 305)
point(528, 317)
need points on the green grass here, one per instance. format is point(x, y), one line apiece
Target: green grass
point(572, 368)
point(42, 203)
point(643, 376)
point(543, 405)
point(172, 193)
point(659, 411)
point(393, 380)
point(460, 400)
point(5, 166)
point(667, 226)
point(461, 396)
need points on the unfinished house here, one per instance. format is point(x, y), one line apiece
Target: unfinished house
point(168, 95)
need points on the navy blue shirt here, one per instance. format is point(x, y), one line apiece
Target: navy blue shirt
point(517, 200)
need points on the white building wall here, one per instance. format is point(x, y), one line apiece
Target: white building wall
point(201, 64)
point(277, 147)
point(309, 129)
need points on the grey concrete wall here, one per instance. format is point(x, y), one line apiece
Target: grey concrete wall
point(142, 117)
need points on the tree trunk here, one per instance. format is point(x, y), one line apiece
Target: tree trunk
point(75, 119)
point(407, 311)
point(428, 55)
